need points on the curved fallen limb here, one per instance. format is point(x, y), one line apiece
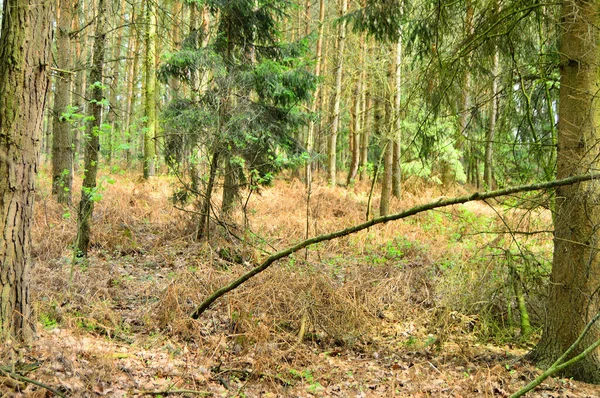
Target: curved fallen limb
point(380, 220)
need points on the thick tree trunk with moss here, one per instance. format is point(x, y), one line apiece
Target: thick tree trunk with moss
point(92, 144)
point(150, 92)
point(574, 288)
point(62, 151)
point(24, 62)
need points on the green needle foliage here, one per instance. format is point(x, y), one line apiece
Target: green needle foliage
point(247, 85)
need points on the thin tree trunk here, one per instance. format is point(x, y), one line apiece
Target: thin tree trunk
point(204, 222)
point(112, 116)
point(134, 52)
point(24, 62)
point(397, 134)
point(62, 152)
point(92, 145)
point(364, 135)
point(337, 94)
point(488, 178)
point(386, 182)
point(354, 133)
point(310, 136)
point(80, 79)
point(150, 92)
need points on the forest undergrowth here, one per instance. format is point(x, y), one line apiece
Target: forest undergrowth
point(423, 307)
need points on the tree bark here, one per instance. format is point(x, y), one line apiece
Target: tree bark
point(113, 116)
point(386, 182)
point(62, 151)
point(364, 134)
point(488, 178)
point(134, 53)
point(92, 144)
point(354, 134)
point(24, 62)
point(80, 80)
point(336, 99)
point(310, 135)
point(204, 222)
point(575, 280)
point(150, 92)
point(396, 136)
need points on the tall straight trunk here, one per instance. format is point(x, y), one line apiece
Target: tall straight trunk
point(364, 134)
point(150, 92)
point(62, 152)
point(488, 178)
point(132, 74)
point(573, 296)
point(310, 136)
point(354, 133)
point(357, 115)
point(80, 79)
point(115, 81)
point(337, 95)
point(387, 132)
point(465, 99)
point(386, 181)
point(92, 144)
point(24, 62)
point(397, 133)
point(203, 223)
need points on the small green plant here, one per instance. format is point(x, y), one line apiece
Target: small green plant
point(307, 376)
point(48, 320)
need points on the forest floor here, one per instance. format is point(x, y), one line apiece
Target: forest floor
point(422, 307)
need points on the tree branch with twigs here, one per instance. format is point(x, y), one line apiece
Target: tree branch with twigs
point(381, 220)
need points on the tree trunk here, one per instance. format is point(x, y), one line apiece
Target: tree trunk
point(573, 298)
point(230, 185)
point(386, 182)
point(488, 178)
point(364, 134)
point(310, 136)
point(134, 53)
point(24, 61)
point(112, 116)
point(150, 92)
point(62, 152)
point(335, 100)
point(92, 144)
point(204, 223)
point(397, 138)
point(80, 79)
point(354, 139)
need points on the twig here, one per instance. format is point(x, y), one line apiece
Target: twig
point(24, 379)
point(169, 392)
point(558, 365)
point(380, 220)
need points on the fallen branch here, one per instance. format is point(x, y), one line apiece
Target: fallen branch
point(24, 379)
point(173, 391)
point(559, 364)
point(380, 220)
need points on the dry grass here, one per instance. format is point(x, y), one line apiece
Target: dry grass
point(380, 289)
